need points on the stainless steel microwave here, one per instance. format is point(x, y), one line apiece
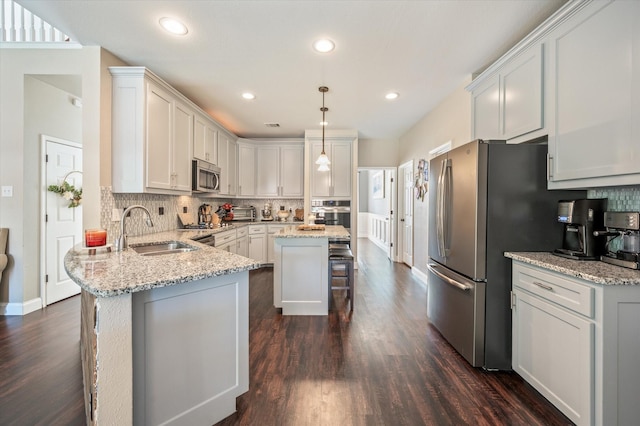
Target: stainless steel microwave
point(205, 177)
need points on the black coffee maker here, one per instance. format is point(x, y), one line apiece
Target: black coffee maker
point(581, 218)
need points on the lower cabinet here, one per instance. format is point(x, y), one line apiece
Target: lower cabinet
point(258, 243)
point(575, 342)
point(271, 232)
point(226, 240)
point(242, 242)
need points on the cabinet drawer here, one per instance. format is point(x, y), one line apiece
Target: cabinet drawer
point(556, 288)
point(257, 229)
point(242, 232)
point(225, 237)
point(272, 229)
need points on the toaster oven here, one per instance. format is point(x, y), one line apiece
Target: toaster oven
point(246, 213)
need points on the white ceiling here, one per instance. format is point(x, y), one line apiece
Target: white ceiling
point(421, 49)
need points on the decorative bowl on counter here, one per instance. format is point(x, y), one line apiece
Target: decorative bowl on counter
point(283, 215)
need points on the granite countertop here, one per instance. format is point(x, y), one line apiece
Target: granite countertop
point(108, 274)
point(330, 231)
point(589, 270)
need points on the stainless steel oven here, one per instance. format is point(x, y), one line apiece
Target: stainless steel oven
point(333, 212)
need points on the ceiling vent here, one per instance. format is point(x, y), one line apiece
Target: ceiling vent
point(272, 124)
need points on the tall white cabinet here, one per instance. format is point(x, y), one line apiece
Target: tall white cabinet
point(595, 82)
point(205, 139)
point(152, 134)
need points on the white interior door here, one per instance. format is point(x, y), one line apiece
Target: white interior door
point(63, 225)
point(405, 193)
point(392, 237)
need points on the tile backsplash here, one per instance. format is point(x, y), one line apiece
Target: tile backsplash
point(172, 205)
point(620, 199)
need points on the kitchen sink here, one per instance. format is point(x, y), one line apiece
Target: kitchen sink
point(155, 249)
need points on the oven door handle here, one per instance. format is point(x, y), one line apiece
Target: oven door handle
point(433, 268)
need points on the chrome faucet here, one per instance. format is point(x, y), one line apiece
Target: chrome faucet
point(121, 242)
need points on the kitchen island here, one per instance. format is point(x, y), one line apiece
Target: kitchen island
point(301, 269)
point(164, 338)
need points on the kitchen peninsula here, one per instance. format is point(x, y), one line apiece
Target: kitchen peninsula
point(300, 269)
point(164, 338)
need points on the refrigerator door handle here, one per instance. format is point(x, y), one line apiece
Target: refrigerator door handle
point(446, 196)
point(462, 286)
point(439, 210)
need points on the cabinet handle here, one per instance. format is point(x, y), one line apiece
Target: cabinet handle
point(544, 286)
point(549, 167)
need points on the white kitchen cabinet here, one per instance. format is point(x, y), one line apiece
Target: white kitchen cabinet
point(508, 103)
point(270, 170)
point(246, 169)
point(337, 181)
point(272, 229)
point(577, 343)
point(242, 241)
point(152, 134)
point(258, 243)
point(226, 240)
point(227, 161)
point(485, 116)
point(521, 94)
point(205, 139)
point(594, 79)
point(553, 344)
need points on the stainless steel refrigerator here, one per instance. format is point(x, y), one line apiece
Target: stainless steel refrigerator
point(485, 198)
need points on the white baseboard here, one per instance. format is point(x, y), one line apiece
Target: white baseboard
point(420, 275)
point(378, 243)
point(21, 308)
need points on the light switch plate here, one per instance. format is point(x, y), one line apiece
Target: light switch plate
point(7, 191)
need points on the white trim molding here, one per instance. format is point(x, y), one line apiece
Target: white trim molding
point(25, 308)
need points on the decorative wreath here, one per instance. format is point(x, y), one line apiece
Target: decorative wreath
point(68, 191)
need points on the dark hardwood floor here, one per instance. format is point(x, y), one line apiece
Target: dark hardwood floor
point(383, 364)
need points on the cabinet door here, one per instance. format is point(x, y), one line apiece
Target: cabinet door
point(320, 181)
point(181, 147)
point(553, 350)
point(233, 166)
point(486, 110)
point(341, 169)
point(292, 171)
point(159, 137)
point(521, 94)
point(272, 230)
point(267, 171)
point(242, 245)
point(246, 170)
point(592, 79)
point(257, 247)
point(205, 140)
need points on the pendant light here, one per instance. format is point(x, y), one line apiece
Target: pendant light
point(323, 161)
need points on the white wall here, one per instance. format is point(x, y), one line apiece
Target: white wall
point(19, 158)
point(450, 120)
point(378, 153)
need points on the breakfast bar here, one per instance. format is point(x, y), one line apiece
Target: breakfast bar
point(300, 269)
point(164, 336)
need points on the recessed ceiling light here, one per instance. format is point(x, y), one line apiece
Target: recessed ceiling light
point(323, 45)
point(248, 96)
point(391, 95)
point(173, 26)
point(324, 123)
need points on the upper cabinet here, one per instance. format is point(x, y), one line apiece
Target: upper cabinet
point(227, 161)
point(337, 182)
point(152, 134)
point(594, 139)
point(575, 80)
point(205, 139)
point(508, 103)
point(270, 169)
point(156, 132)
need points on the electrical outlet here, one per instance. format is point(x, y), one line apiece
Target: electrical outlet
point(128, 214)
point(184, 209)
point(115, 215)
point(7, 191)
point(160, 211)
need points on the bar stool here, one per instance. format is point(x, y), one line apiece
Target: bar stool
point(341, 268)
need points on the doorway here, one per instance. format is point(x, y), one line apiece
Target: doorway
point(377, 205)
point(62, 223)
